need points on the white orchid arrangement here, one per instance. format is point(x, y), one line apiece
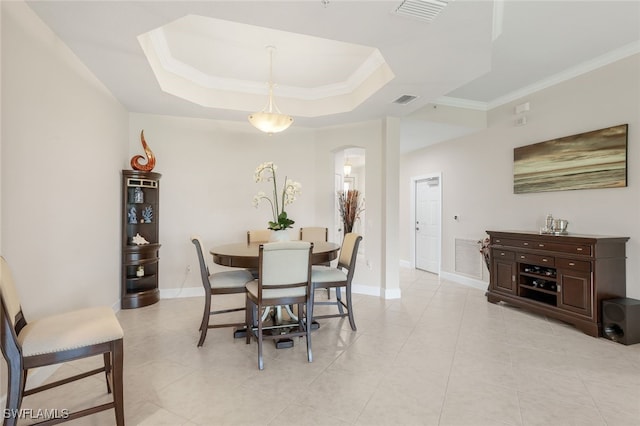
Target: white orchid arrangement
point(266, 172)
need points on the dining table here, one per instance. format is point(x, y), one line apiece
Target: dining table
point(247, 255)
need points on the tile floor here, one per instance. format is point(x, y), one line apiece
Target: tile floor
point(441, 355)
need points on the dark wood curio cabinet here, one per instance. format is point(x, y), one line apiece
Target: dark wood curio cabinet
point(140, 238)
point(565, 277)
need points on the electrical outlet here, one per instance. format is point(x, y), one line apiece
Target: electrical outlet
point(188, 268)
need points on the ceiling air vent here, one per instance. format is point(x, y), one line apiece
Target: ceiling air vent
point(425, 10)
point(405, 99)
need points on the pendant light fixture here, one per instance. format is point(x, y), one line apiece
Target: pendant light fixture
point(270, 119)
point(347, 167)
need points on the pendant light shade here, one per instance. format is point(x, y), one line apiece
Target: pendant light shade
point(347, 168)
point(270, 119)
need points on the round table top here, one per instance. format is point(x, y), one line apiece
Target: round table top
point(245, 255)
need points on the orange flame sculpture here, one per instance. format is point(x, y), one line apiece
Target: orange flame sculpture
point(151, 159)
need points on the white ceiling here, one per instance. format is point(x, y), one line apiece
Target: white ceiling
point(457, 59)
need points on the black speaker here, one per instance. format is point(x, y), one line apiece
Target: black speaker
point(621, 320)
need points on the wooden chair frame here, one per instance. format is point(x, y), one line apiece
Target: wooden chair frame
point(350, 267)
point(210, 291)
point(316, 230)
point(255, 306)
point(18, 367)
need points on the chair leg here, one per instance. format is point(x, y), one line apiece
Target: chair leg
point(260, 359)
point(308, 318)
point(350, 309)
point(116, 379)
point(204, 325)
point(107, 370)
point(248, 319)
point(329, 293)
point(339, 300)
point(15, 386)
point(312, 301)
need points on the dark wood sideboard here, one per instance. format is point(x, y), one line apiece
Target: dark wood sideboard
point(565, 277)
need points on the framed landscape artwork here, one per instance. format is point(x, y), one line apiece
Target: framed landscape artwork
point(596, 159)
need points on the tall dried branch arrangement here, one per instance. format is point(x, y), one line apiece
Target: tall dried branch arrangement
point(350, 205)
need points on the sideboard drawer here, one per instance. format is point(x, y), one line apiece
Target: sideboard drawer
point(582, 249)
point(503, 254)
point(576, 265)
point(514, 243)
point(535, 259)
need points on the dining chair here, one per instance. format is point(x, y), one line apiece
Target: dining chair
point(53, 340)
point(226, 282)
point(315, 234)
point(258, 236)
point(284, 279)
point(338, 277)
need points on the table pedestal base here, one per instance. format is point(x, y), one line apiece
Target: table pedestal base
point(284, 343)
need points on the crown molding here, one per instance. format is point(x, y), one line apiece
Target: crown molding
point(573, 72)
point(461, 103)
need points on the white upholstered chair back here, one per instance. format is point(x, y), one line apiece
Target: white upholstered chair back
point(285, 263)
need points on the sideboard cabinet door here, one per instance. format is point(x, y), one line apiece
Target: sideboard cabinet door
point(504, 271)
point(575, 291)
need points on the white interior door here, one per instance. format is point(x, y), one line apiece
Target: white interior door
point(427, 226)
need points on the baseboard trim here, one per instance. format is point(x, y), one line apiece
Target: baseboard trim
point(177, 293)
point(394, 293)
point(405, 264)
point(461, 279)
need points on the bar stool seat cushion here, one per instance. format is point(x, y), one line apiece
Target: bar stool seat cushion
point(267, 294)
point(70, 330)
point(327, 274)
point(230, 279)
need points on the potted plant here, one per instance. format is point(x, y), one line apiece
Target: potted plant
point(279, 199)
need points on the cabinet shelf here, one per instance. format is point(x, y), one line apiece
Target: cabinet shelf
point(144, 277)
point(542, 277)
point(538, 295)
point(538, 289)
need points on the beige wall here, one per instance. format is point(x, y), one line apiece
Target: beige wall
point(371, 136)
point(64, 136)
point(207, 188)
point(207, 185)
point(478, 175)
point(63, 139)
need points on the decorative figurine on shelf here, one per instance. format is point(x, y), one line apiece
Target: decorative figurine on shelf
point(133, 217)
point(139, 240)
point(151, 159)
point(140, 271)
point(138, 195)
point(147, 214)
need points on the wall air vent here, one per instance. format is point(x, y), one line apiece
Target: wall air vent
point(405, 99)
point(425, 10)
